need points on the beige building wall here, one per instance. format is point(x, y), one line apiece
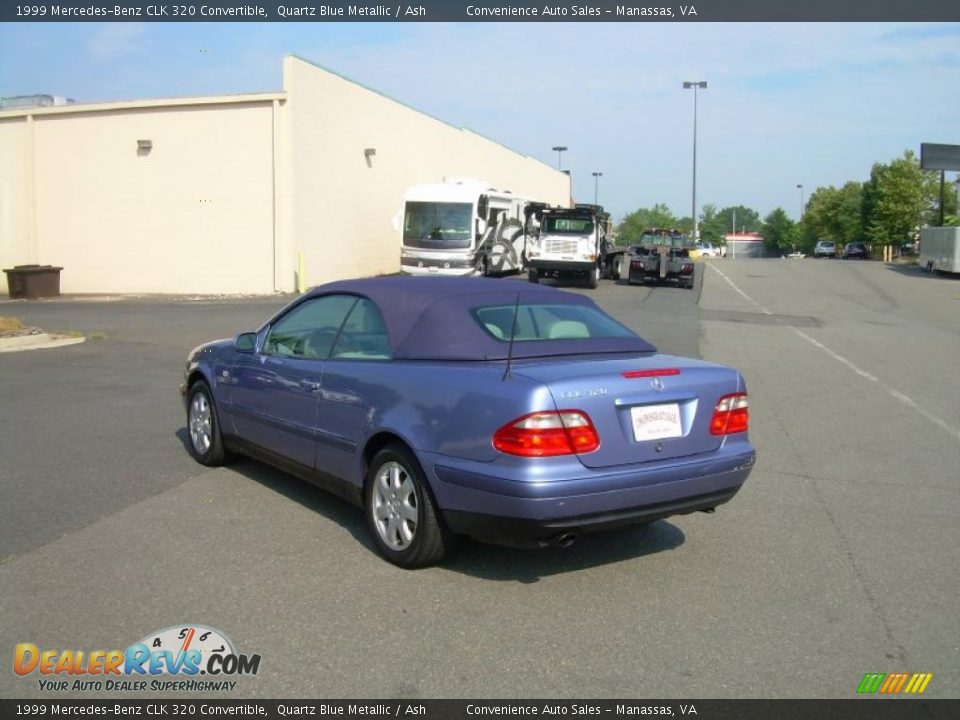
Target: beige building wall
point(340, 206)
point(193, 214)
point(16, 183)
point(234, 190)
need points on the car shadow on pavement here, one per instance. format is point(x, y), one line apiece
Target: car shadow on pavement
point(310, 496)
point(470, 557)
point(494, 562)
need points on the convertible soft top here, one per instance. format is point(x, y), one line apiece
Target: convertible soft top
point(429, 318)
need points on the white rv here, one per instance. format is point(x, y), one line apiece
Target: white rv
point(461, 227)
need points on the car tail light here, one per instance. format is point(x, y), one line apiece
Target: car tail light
point(545, 434)
point(656, 372)
point(731, 415)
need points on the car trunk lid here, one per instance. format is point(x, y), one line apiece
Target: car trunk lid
point(645, 409)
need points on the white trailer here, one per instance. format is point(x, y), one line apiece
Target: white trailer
point(461, 227)
point(940, 249)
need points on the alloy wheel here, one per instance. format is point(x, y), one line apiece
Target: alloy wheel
point(395, 506)
point(201, 423)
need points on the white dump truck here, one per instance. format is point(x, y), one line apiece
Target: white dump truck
point(572, 243)
point(461, 227)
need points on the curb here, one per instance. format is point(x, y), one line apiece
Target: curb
point(37, 342)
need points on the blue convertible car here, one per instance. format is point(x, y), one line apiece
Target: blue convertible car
point(447, 406)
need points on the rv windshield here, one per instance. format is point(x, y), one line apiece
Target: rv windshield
point(437, 226)
point(567, 226)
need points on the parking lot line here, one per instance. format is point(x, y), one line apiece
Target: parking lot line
point(893, 392)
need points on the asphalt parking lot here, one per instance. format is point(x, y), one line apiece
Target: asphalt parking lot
point(839, 557)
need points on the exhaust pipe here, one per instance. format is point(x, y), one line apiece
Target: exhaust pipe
point(565, 540)
point(709, 511)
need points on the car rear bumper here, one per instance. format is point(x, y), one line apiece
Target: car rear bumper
point(523, 532)
point(543, 512)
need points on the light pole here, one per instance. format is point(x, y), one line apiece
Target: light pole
point(596, 187)
point(559, 149)
point(696, 85)
point(800, 188)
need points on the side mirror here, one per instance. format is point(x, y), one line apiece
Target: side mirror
point(396, 223)
point(245, 342)
point(481, 226)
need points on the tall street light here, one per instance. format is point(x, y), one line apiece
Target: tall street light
point(800, 188)
point(596, 187)
point(696, 85)
point(559, 149)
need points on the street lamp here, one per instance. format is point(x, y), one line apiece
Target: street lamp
point(596, 187)
point(800, 188)
point(558, 149)
point(701, 85)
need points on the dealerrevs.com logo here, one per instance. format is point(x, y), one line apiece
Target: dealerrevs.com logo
point(180, 658)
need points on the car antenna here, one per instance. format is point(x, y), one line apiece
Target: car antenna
point(513, 332)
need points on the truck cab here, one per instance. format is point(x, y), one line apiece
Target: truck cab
point(662, 255)
point(571, 243)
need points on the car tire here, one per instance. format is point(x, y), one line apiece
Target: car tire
point(204, 441)
point(402, 517)
point(593, 279)
point(533, 276)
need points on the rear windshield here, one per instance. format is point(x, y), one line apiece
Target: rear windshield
point(548, 322)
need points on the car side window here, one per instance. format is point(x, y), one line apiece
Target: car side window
point(309, 330)
point(363, 335)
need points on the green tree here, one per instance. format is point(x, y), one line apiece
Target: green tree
point(748, 219)
point(659, 216)
point(949, 202)
point(897, 200)
point(711, 225)
point(779, 232)
point(834, 214)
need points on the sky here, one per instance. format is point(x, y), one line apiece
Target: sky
point(788, 103)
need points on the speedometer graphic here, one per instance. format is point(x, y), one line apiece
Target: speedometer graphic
point(181, 639)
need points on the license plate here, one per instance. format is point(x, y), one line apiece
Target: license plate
point(656, 422)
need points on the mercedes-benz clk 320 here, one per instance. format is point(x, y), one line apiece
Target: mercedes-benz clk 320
point(449, 406)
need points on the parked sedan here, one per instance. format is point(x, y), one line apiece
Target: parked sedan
point(855, 250)
point(825, 248)
point(449, 406)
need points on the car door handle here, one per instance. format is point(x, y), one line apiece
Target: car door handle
point(310, 385)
